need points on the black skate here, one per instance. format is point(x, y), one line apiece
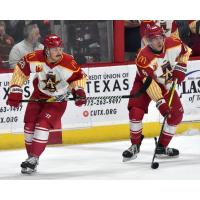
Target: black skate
point(165, 152)
point(131, 152)
point(29, 166)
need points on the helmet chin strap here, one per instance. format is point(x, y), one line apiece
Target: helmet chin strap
point(47, 52)
point(48, 55)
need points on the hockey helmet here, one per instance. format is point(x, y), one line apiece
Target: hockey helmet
point(153, 31)
point(52, 41)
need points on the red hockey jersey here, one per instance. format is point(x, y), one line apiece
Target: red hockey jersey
point(51, 79)
point(160, 66)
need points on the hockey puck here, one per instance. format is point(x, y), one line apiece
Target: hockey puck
point(155, 165)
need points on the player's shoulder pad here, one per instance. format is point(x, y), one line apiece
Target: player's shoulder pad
point(69, 62)
point(144, 58)
point(67, 57)
point(37, 55)
point(171, 42)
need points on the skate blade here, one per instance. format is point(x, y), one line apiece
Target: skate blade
point(129, 159)
point(165, 157)
point(28, 171)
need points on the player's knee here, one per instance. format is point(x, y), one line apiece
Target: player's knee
point(136, 113)
point(29, 126)
point(41, 131)
point(43, 123)
point(176, 116)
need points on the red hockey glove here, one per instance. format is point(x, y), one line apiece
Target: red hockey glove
point(179, 73)
point(15, 96)
point(163, 107)
point(80, 96)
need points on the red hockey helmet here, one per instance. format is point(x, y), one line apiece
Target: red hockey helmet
point(153, 31)
point(52, 40)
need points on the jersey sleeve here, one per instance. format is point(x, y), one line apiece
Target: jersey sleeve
point(174, 30)
point(21, 72)
point(78, 77)
point(145, 69)
point(184, 55)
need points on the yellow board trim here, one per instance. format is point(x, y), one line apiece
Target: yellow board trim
point(95, 134)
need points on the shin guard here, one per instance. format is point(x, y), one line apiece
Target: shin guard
point(135, 117)
point(167, 134)
point(28, 136)
point(40, 139)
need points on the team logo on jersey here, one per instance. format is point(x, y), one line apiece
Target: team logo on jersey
point(39, 68)
point(142, 60)
point(167, 72)
point(50, 82)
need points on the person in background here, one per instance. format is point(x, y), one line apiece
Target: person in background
point(189, 32)
point(132, 39)
point(6, 43)
point(29, 44)
point(15, 28)
point(44, 26)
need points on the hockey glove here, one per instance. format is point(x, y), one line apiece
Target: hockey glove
point(79, 96)
point(15, 96)
point(179, 73)
point(163, 107)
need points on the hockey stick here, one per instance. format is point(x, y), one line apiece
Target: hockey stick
point(155, 165)
point(143, 89)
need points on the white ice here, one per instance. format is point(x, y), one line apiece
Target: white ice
point(104, 161)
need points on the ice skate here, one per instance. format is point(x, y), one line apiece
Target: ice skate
point(131, 152)
point(29, 166)
point(166, 152)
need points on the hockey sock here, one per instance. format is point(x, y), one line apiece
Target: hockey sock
point(135, 131)
point(40, 139)
point(167, 134)
point(135, 117)
point(28, 136)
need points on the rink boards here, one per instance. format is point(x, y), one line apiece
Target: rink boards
point(95, 134)
point(101, 120)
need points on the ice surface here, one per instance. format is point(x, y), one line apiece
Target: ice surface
point(103, 161)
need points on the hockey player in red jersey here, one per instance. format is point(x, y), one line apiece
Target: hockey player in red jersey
point(56, 74)
point(164, 59)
